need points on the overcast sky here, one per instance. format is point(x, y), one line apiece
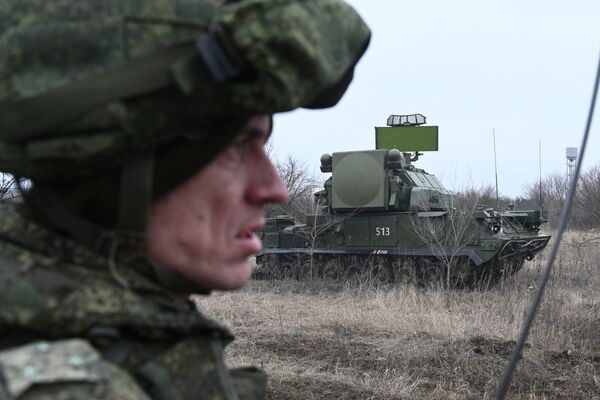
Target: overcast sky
point(522, 68)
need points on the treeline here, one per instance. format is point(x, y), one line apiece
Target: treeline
point(550, 194)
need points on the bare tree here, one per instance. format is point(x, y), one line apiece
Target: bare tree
point(554, 188)
point(8, 187)
point(587, 201)
point(484, 196)
point(319, 226)
point(300, 183)
point(447, 234)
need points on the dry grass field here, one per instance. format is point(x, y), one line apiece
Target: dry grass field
point(320, 340)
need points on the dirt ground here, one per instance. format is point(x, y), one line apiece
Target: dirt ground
point(319, 340)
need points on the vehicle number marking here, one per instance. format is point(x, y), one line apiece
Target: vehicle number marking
point(382, 231)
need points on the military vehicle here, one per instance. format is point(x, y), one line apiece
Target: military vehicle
point(381, 216)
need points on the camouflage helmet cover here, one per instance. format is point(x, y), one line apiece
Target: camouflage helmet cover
point(84, 84)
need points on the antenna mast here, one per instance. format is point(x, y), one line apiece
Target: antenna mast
point(495, 165)
point(540, 162)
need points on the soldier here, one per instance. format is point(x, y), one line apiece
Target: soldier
point(140, 125)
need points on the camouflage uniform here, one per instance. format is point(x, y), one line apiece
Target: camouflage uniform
point(53, 289)
point(117, 103)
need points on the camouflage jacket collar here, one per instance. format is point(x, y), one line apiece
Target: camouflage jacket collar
point(51, 284)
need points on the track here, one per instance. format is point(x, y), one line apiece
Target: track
point(457, 272)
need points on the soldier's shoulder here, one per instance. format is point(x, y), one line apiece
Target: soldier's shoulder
point(63, 369)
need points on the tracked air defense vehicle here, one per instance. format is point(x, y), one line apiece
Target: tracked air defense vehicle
point(379, 215)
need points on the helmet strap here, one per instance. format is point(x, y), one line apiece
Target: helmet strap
point(58, 214)
point(135, 194)
point(135, 199)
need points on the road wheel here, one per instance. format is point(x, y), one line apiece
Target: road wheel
point(331, 271)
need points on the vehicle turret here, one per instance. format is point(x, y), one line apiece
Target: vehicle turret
point(385, 178)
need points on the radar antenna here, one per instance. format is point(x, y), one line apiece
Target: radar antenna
point(406, 120)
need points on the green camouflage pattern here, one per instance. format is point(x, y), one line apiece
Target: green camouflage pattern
point(300, 50)
point(64, 369)
point(300, 54)
point(152, 343)
point(45, 45)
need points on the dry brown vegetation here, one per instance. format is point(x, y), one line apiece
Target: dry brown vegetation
point(320, 340)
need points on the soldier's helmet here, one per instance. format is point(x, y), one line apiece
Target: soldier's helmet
point(95, 92)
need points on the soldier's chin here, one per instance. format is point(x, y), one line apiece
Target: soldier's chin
point(234, 275)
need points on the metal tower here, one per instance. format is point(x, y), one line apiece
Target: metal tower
point(571, 154)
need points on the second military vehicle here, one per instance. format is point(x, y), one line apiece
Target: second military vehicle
point(380, 215)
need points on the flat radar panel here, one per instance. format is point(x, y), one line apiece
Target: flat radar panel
point(407, 138)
